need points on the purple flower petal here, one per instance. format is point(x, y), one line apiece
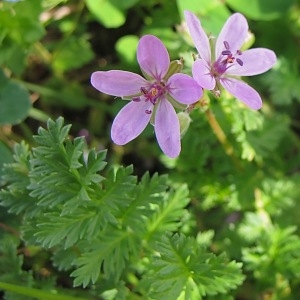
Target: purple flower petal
point(255, 61)
point(118, 83)
point(167, 129)
point(202, 74)
point(153, 56)
point(184, 89)
point(198, 35)
point(243, 92)
point(130, 122)
point(234, 32)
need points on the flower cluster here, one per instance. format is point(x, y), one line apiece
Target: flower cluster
point(153, 98)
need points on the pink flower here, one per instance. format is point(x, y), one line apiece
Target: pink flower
point(151, 98)
point(219, 67)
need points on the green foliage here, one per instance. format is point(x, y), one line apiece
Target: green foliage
point(262, 9)
point(14, 100)
point(283, 83)
point(5, 157)
point(106, 13)
point(67, 58)
point(99, 226)
point(182, 269)
point(20, 27)
point(215, 11)
point(76, 224)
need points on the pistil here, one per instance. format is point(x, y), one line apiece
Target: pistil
point(151, 94)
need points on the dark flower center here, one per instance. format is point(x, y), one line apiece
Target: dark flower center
point(226, 59)
point(152, 94)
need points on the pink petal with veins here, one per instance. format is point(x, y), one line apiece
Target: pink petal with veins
point(234, 32)
point(167, 129)
point(255, 61)
point(202, 74)
point(198, 35)
point(184, 89)
point(243, 92)
point(130, 122)
point(153, 56)
point(118, 83)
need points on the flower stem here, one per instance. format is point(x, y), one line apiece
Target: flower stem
point(218, 131)
point(221, 136)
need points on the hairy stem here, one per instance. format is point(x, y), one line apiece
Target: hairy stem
point(221, 136)
point(218, 131)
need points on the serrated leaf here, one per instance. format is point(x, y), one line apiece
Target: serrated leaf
point(67, 230)
point(110, 253)
point(15, 195)
point(276, 251)
point(282, 82)
point(169, 212)
point(181, 269)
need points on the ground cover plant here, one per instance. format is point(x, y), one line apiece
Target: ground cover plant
point(149, 149)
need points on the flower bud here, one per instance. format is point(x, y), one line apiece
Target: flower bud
point(175, 67)
point(184, 122)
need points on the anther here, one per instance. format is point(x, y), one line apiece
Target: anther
point(148, 111)
point(226, 45)
point(239, 61)
point(136, 99)
point(226, 52)
point(239, 52)
point(144, 90)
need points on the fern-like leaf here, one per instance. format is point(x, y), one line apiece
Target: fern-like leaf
point(181, 269)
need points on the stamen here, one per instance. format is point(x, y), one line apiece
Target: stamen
point(153, 92)
point(153, 101)
point(230, 59)
point(148, 111)
point(144, 91)
point(239, 52)
point(226, 52)
point(136, 99)
point(226, 45)
point(239, 61)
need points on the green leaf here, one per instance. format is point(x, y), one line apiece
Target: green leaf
point(169, 211)
point(126, 48)
point(265, 141)
point(22, 22)
point(212, 14)
point(181, 269)
point(54, 228)
point(110, 253)
point(35, 293)
point(282, 82)
point(5, 157)
point(72, 54)
point(125, 4)
point(276, 251)
point(13, 56)
point(15, 195)
point(14, 101)
point(49, 4)
point(143, 202)
point(261, 9)
point(106, 13)
point(11, 264)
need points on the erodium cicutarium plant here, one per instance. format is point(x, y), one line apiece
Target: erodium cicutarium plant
point(221, 65)
point(151, 98)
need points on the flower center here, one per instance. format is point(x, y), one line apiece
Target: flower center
point(226, 60)
point(151, 94)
